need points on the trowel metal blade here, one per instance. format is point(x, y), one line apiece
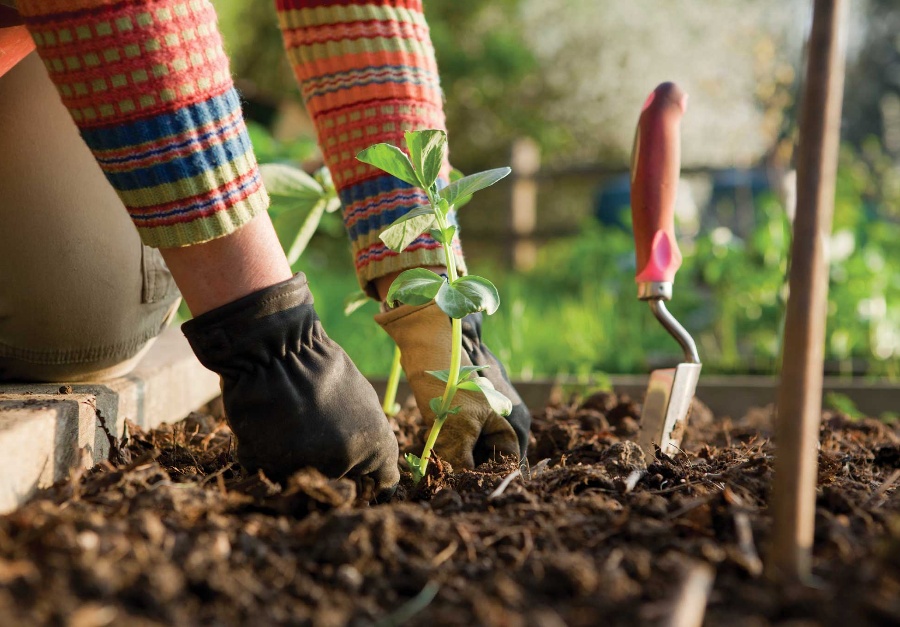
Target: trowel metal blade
point(666, 408)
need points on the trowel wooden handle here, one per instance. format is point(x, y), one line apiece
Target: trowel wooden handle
point(655, 169)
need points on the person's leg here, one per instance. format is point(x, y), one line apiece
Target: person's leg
point(80, 298)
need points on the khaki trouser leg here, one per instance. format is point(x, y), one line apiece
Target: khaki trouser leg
point(80, 297)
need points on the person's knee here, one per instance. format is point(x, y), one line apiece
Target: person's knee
point(57, 343)
point(78, 292)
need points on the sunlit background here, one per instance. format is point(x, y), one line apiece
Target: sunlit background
point(558, 86)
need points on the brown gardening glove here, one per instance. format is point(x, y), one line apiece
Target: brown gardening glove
point(292, 396)
point(476, 434)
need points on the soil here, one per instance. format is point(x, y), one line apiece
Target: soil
point(171, 532)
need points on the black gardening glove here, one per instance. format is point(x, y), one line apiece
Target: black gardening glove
point(480, 355)
point(292, 396)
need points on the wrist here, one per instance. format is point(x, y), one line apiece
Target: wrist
point(225, 269)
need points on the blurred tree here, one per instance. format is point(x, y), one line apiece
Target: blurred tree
point(258, 61)
point(495, 90)
point(872, 95)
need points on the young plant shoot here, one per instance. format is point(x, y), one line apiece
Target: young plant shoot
point(304, 197)
point(455, 295)
point(390, 406)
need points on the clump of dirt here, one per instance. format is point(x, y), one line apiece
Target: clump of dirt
point(588, 533)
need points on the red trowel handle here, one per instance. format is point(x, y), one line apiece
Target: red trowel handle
point(655, 169)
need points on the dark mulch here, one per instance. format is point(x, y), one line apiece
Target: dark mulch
point(173, 533)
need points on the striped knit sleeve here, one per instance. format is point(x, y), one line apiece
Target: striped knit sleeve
point(367, 73)
point(148, 85)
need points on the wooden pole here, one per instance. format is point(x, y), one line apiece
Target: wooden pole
point(800, 391)
point(525, 162)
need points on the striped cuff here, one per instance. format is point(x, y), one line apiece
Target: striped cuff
point(367, 74)
point(149, 86)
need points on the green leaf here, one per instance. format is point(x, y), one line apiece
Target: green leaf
point(498, 402)
point(284, 182)
point(449, 233)
point(355, 300)
point(391, 160)
point(427, 151)
point(443, 375)
point(468, 185)
point(479, 289)
point(464, 373)
point(415, 465)
point(453, 303)
point(287, 224)
point(415, 287)
point(332, 204)
point(404, 232)
point(305, 233)
point(437, 234)
point(456, 175)
point(467, 295)
point(323, 178)
point(415, 212)
point(435, 405)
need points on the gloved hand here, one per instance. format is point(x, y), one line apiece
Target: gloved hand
point(476, 433)
point(292, 396)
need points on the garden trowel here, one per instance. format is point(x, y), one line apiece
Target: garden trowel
point(655, 169)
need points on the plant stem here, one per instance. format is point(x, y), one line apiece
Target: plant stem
point(455, 361)
point(390, 393)
point(455, 350)
point(451, 261)
point(429, 443)
point(310, 224)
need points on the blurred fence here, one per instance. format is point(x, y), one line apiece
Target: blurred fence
point(598, 190)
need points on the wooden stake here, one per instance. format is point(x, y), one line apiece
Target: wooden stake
point(800, 391)
point(525, 162)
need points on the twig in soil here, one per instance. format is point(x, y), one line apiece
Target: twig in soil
point(445, 554)
point(538, 468)
point(728, 472)
point(504, 484)
point(674, 488)
point(527, 548)
point(744, 530)
point(466, 536)
point(699, 502)
point(215, 476)
point(411, 607)
point(633, 478)
point(204, 444)
point(690, 604)
point(875, 500)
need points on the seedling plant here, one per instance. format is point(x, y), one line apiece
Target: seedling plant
point(302, 196)
point(457, 296)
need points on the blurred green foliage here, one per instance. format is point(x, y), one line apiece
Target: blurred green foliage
point(494, 89)
point(577, 314)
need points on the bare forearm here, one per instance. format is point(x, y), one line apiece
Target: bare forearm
point(225, 269)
